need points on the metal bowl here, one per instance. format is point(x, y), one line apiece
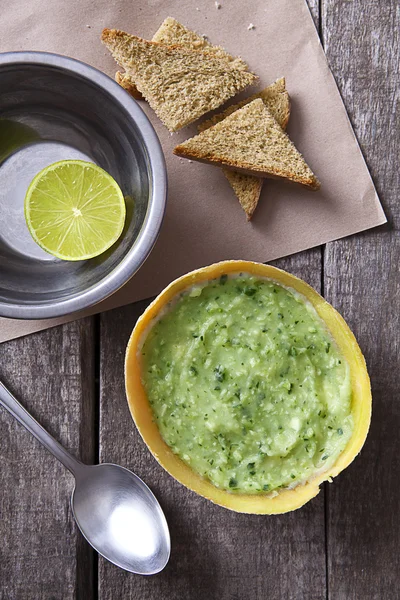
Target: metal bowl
point(54, 108)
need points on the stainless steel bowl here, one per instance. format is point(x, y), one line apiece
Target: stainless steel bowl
point(66, 109)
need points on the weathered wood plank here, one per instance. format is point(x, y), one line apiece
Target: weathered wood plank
point(215, 553)
point(42, 555)
point(313, 5)
point(363, 504)
point(362, 281)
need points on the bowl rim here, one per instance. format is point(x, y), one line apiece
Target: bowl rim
point(149, 231)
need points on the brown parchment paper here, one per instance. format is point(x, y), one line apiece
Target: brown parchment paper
point(204, 222)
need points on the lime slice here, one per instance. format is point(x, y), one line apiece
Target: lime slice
point(74, 210)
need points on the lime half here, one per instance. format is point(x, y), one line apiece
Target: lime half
point(74, 210)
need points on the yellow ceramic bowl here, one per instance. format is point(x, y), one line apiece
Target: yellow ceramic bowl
point(286, 499)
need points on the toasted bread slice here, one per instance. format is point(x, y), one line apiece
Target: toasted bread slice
point(275, 98)
point(125, 81)
point(172, 33)
point(247, 187)
point(180, 85)
point(252, 142)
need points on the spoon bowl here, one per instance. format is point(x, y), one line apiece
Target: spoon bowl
point(121, 518)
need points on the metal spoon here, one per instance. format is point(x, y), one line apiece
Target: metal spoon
point(114, 509)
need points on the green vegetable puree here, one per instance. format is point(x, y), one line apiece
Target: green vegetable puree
point(247, 385)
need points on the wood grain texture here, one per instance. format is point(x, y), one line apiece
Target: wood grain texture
point(362, 281)
point(313, 5)
point(215, 553)
point(42, 555)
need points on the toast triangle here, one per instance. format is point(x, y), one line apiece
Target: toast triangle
point(252, 142)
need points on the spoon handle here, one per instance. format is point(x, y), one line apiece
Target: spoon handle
point(18, 411)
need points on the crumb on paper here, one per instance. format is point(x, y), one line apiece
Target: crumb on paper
point(197, 9)
point(204, 36)
point(217, 5)
point(190, 161)
point(88, 26)
point(251, 26)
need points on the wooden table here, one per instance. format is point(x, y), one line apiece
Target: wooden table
point(345, 544)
